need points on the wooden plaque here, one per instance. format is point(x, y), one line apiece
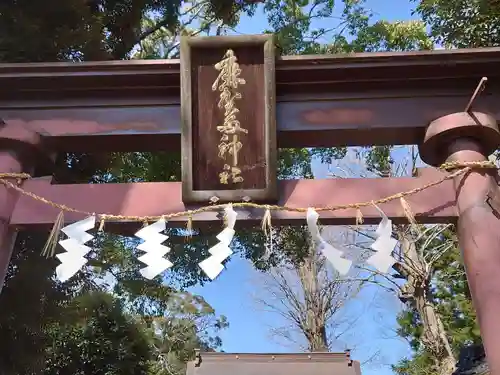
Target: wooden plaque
point(228, 119)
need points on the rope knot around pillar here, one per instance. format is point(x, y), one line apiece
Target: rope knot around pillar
point(451, 165)
point(17, 176)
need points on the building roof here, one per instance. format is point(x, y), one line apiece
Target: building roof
point(273, 364)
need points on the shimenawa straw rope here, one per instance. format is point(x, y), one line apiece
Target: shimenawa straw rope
point(462, 168)
point(50, 246)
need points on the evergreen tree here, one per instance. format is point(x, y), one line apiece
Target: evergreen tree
point(97, 336)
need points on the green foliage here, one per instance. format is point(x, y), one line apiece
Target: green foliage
point(290, 21)
point(452, 297)
point(76, 30)
point(115, 257)
point(410, 327)
point(33, 303)
point(379, 160)
point(418, 365)
point(294, 163)
point(392, 36)
point(462, 23)
point(52, 323)
point(184, 330)
point(382, 35)
point(97, 336)
point(98, 29)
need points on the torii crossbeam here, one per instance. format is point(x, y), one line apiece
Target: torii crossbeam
point(296, 101)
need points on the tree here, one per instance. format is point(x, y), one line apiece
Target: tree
point(416, 265)
point(313, 298)
point(196, 18)
point(462, 23)
point(426, 322)
point(74, 30)
point(97, 336)
point(454, 24)
point(51, 322)
point(438, 318)
point(308, 295)
point(181, 331)
point(33, 299)
point(420, 249)
point(96, 29)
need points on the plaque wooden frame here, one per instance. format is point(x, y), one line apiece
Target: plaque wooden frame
point(197, 189)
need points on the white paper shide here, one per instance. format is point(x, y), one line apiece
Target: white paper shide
point(212, 266)
point(154, 249)
point(333, 255)
point(384, 245)
point(74, 259)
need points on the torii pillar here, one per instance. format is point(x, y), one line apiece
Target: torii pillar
point(469, 137)
point(20, 149)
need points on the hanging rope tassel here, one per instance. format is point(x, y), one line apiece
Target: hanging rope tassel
point(359, 217)
point(407, 210)
point(49, 249)
point(101, 224)
point(189, 227)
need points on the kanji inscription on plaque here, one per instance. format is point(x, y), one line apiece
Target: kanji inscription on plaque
point(228, 119)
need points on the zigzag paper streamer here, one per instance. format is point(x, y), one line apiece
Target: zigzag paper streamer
point(384, 245)
point(212, 266)
point(155, 251)
point(74, 258)
point(333, 255)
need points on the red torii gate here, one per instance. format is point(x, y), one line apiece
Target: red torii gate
point(322, 101)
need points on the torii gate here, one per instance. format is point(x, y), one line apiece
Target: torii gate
point(294, 101)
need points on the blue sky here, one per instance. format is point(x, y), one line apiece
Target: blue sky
point(390, 10)
point(232, 293)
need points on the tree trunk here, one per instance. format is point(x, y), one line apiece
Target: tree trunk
point(313, 325)
point(434, 336)
point(416, 290)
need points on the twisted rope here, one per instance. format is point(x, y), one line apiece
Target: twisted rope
point(462, 168)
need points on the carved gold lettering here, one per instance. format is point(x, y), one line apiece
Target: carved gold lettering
point(227, 83)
